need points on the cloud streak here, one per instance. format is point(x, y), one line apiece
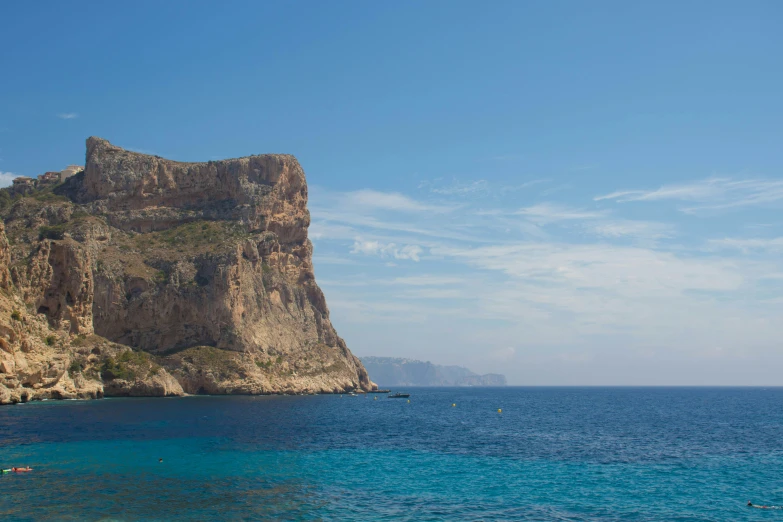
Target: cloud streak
point(544, 213)
point(68, 115)
point(749, 245)
point(376, 248)
point(708, 194)
point(394, 201)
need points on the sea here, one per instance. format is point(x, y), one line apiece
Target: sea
point(512, 453)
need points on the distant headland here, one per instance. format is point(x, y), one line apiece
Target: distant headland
point(392, 371)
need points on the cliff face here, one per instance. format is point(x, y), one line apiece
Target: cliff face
point(391, 371)
point(193, 277)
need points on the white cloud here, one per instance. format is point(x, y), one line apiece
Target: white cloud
point(376, 248)
point(6, 178)
point(431, 293)
point(68, 115)
point(427, 280)
point(411, 252)
point(544, 213)
point(629, 228)
point(461, 189)
point(711, 193)
point(390, 201)
point(630, 272)
point(748, 245)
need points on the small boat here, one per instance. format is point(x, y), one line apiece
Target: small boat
point(399, 395)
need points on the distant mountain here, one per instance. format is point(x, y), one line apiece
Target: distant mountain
point(393, 371)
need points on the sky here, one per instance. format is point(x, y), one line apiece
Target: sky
point(565, 192)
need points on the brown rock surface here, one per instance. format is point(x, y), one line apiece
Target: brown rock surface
point(203, 269)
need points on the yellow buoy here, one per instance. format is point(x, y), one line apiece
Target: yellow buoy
point(453, 404)
point(500, 411)
point(409, 401)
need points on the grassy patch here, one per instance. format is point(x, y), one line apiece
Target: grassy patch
point(46, 196)
point(191, 238)
point(129, 366)
point(223, 363)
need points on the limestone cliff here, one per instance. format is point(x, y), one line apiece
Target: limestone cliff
point(145, 276)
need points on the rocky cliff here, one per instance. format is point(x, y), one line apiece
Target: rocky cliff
point(145, 276)
point(393, 371)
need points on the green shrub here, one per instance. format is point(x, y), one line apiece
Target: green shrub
point(48, 197)
point(16, 316)
point(128, 366)
point(50, 340)
point(54, 232)
point(77, 366)
point(5, 199)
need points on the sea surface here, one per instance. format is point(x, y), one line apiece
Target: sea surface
point(674, 454)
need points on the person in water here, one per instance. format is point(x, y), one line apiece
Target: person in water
point(751, 504)
point(28, 468)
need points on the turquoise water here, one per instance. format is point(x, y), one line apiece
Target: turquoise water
point(552, 454)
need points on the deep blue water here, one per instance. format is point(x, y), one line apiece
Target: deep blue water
point(552, 454)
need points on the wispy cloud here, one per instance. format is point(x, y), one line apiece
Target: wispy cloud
point(426, 280)
point(522, 186)
point(476, 188)
point(377, 248)
point(629, 228)
point(68, 115)
point(544, 213)
point(749, 244)
point(710, 194)
point(460, 188)
point(390, 201)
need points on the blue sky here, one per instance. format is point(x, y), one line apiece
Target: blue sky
point(564, 192)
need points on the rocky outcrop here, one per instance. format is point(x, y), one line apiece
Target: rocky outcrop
point(204, 269)
point(5, 259)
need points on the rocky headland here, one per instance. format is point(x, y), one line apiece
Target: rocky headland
point(395, 371)
point(141, 276)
